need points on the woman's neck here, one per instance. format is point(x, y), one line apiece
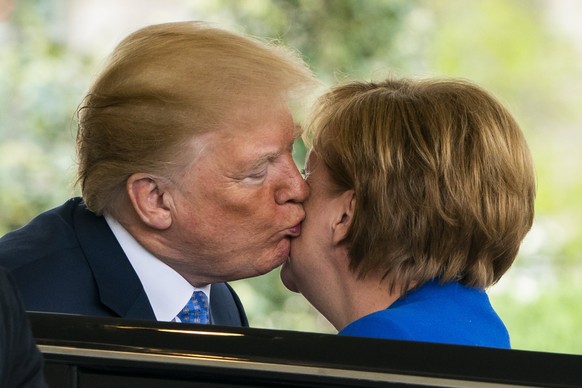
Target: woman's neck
point(361, 297)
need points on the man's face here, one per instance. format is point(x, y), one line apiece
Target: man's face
point(238, 204)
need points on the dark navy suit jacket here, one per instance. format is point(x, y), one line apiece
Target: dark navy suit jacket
point(67, 260)
point(21, 363)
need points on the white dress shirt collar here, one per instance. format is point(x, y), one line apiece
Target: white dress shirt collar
point(167, 291)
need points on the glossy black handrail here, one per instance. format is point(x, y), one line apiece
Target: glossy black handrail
point(110, 343)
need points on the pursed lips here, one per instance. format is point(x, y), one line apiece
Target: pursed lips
point(295, 231)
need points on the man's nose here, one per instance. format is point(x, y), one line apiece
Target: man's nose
point(294, 189)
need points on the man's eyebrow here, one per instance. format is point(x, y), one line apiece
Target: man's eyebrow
point(266, 158)
point(269, 157)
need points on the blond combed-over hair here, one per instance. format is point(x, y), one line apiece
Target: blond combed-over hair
point(161, 86)
point(443, 178)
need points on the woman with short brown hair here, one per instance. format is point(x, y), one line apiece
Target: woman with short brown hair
point(421, 193)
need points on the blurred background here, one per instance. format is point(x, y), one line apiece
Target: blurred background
point(527, 52)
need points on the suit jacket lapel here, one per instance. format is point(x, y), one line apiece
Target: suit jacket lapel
point(225, 306)
point(119, 287)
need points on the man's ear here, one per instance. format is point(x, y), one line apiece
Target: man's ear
point(345, 215)
point(150, 200)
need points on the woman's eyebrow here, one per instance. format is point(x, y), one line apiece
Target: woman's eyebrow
point(298, 131)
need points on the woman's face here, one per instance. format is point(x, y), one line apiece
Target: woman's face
point(312, 253)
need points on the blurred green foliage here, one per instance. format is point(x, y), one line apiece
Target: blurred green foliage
point(41, 83)
point(511, 47)
point(548, 321)
point(337, 38)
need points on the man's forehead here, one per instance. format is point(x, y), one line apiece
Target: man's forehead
point(243, 146)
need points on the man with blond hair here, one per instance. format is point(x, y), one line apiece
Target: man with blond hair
point(185, 146)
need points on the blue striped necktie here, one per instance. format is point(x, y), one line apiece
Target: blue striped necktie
point(196, 311)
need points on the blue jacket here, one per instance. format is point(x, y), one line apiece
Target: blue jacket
point(449, 313)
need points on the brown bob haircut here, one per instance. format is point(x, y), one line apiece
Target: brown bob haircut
point(443, 178)
point(163, 85)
